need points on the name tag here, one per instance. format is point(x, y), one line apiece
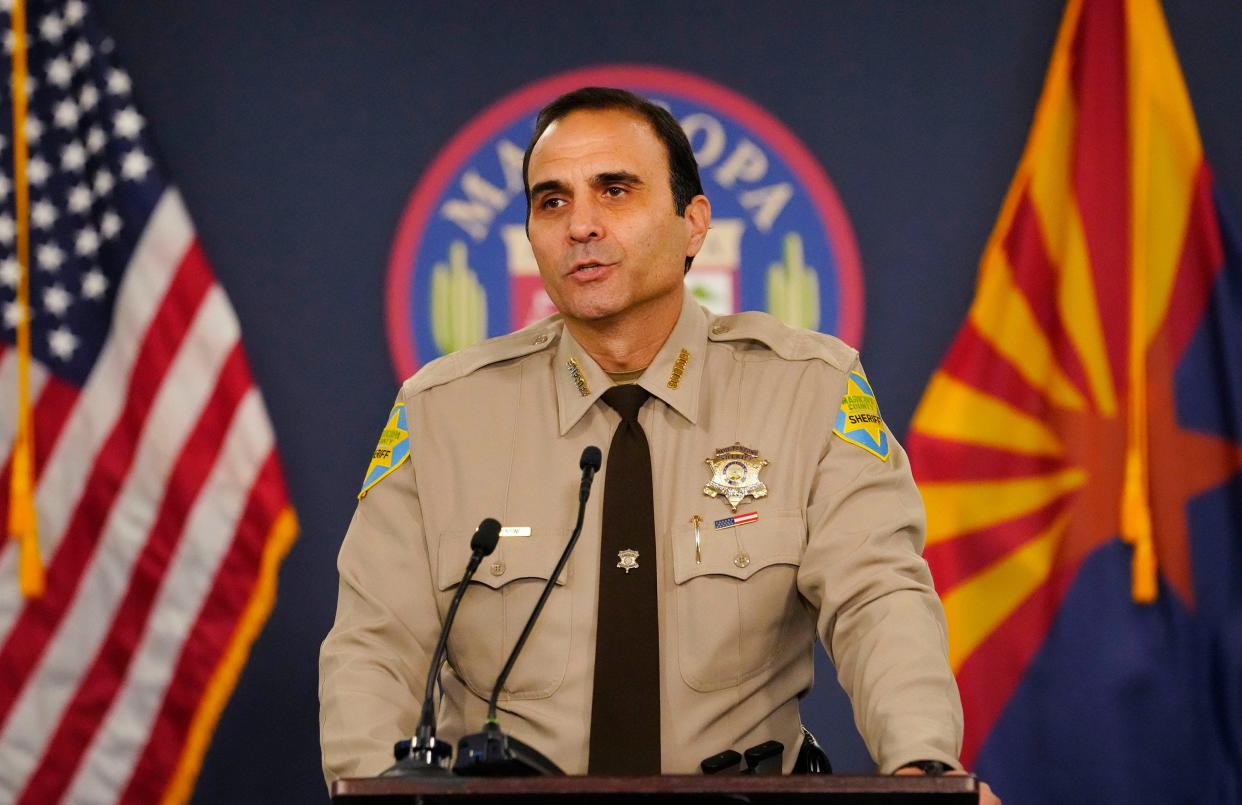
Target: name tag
point(515, 531)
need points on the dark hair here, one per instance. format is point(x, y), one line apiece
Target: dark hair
point(683, 170)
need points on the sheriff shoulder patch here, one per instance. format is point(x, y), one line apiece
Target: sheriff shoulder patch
point(858, 421)
point(393, 448)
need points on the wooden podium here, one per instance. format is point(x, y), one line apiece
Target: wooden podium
point(733, 788)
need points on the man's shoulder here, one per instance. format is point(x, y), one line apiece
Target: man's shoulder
point(786, 342)
point(465, 362)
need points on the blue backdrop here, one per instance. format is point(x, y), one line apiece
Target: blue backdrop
point(296, 131)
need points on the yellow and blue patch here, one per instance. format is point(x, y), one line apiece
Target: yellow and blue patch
point(393, 448)
point(859, 421)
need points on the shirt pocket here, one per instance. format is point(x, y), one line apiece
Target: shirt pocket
point(736, 604)
point(495, 607)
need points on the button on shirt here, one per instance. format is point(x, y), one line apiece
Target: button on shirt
point(496, 431)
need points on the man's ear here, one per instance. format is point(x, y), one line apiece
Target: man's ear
point(698, 217)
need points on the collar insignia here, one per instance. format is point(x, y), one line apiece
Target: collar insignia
point(679, 368)
point(575, 372)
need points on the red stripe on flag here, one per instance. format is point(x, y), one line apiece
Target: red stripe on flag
point(973, 360)
point(955, 561)
point(210, 635)
point(1037, 279)
point(936, 460)
point(1100, 167)
point(989, 675)
point(39, 618)
point(103, 679)
point(51, 411)
point(1201, 260)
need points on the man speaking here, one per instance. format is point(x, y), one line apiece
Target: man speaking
point(752, 499)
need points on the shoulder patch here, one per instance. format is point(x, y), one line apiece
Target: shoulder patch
point(859, 421)
point(790, 343)
point(392, 450)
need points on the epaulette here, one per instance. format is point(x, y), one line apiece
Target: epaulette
point(790, 343)
point(445, 369)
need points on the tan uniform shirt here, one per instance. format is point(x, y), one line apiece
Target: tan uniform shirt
point(497, 430)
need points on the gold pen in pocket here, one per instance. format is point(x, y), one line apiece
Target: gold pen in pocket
point(698, 554)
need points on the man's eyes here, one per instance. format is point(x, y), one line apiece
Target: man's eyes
point(556, 202)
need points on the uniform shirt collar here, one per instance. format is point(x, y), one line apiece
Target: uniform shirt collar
point(673, 375)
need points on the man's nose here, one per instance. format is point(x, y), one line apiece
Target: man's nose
point(585, 222)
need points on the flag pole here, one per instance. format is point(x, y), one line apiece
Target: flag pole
point(23, 524)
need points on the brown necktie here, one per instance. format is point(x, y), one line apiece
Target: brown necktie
point(625, 706)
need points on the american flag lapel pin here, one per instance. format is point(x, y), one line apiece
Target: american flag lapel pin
point(737, 519)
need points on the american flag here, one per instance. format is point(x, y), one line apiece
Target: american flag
point(162, 509)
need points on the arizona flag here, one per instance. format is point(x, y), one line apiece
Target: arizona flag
point(1079, 449)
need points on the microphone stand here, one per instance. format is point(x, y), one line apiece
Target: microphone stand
point(424, 754)
point(492, 753)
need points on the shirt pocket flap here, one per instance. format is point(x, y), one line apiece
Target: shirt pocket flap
point(530, 557)
point(739, 551)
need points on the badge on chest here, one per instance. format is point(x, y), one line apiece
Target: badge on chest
point(735, 474)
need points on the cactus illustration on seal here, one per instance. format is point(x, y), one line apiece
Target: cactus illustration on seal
point(793, 286)
point(458, 303)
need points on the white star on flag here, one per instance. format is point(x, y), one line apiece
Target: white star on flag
point(34, 130)
point(10, 272)
point(50, 257)
point(57, 300)
point(110, 224)
point(128, 123)
point(118, 82)
point(62, 342)
point(73, 157)
point(52, 29)
point(95, 139)
point(135, 165)
point(80, 198)
point(88, 97)
point(38, 170)
point(59, 72)
point(87, 243)
point(66, 114)
point(43, 214)
point(75, 11)
point(103, 183)
point(12, 314)
point(94, 283)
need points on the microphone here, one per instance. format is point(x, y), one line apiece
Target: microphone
point(589, 464)
point(424, 754)
point(492, 753)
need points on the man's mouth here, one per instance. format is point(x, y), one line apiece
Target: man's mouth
point(587, 269)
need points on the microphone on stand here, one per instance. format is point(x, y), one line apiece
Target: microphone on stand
point(492, 753)
point(424, 754)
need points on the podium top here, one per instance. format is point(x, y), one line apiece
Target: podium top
point(825, 788)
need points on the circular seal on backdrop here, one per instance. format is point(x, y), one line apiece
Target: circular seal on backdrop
point(462, 270)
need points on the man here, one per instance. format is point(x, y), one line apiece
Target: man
point(736, 415)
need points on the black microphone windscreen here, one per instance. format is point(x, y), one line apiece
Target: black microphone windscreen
point(590, 458)
point(485, 538)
